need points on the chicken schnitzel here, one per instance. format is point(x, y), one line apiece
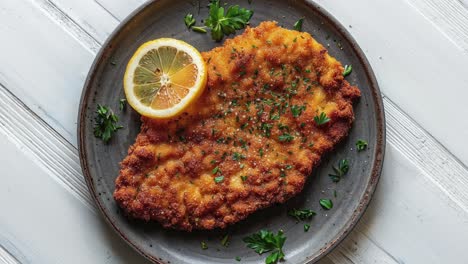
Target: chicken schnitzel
point(274, 103)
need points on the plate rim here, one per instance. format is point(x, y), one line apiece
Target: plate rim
point(379, 147)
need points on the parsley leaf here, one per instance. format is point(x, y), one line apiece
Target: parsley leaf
point(225, 241)
point(106, 123)
point(347, 70)
point(296, 110)
point(306, 227)
point(301, 214)
point(203, 245)
point(199, 29)
point(219, 179)
point(266, 241)
point(361, 145)
point(189, 20)
point(237, 156)
point(321, 119)
point(340, 171)
point(327, 204)
point(122, 104)
point(227, 23)
point(286, 137)
point(298, 24)
point(243, 178)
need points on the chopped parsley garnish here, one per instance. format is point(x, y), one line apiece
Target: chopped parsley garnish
point(347, 70)
point(286, 137)
point(266, 128)
point(266, 241)
point(301, 214)
point(243, 178)
point(200, 30)
point(237, 156)
point(215, 170)
point(306, 227)
point(219, 179)
point(298, 24)
point(361, 145)
point(340, 171)
point(222, 23)
point(122, 103)
point(106, 123)
point(327, 204)
point(225, 240)
point(296, 110)
point(321, 119)
point(189, 20)
point(239, 258)
point(260, 152)
point(203, 245)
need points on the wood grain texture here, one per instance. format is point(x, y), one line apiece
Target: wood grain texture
point(48, 224)
point(70, 53)
point(417, 66)
point(7, 258)
point(449, 16)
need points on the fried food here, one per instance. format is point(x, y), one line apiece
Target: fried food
point(250, 141)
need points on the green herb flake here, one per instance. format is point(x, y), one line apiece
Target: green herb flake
point(189, 20)
point(122, 104)
point(203, 245)
point(237, 156)
point(321, 119)
point(219, 179)
point(200, 30)
point(361, 145)
point(260, 152)
point(297, 110)
point(347, 70)
point(215, 170)
point(105, 123)
point(298, 24)
point(266, 241)
point(306, 227)
point(340, 171)
point(301, 214)
point(286, 137)
point(326, 204)
point(222, 23)
point(238, 259)
point(225, 241)
point(244, 178)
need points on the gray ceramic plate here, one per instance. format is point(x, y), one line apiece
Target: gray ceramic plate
point(164, 18)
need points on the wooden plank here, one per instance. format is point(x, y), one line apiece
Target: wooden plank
point(449, 16)
point(6, 257)
point(120, 8)
point(46, 223)
point(43, 63)
point(417, 66)
point(86, 14)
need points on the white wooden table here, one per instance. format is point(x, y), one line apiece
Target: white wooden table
point(418, 49)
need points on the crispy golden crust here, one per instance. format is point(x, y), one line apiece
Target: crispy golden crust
point(242, 132)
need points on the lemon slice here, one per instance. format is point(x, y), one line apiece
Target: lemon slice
point(163, 77)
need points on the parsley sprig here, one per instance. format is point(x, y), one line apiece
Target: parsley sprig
point(106, 123)
point(321, 119)
point(222, 23)
point(340, 171)
point(361, 145)
point(266, 241)
point(347, 70)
